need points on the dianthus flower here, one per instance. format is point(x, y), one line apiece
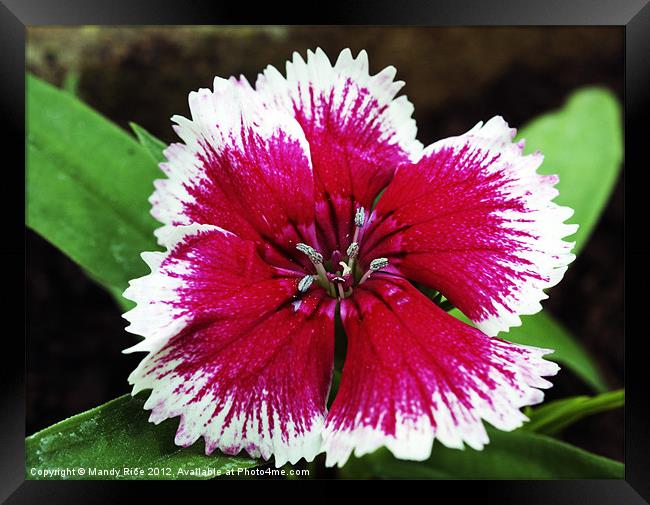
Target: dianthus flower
point(309, 195)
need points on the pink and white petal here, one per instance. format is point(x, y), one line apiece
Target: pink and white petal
point(240, 167)
point(413, 374)
point(474, 220)
point(257, 384)
point(232, 349)
point(206, 272)
point(357, 130)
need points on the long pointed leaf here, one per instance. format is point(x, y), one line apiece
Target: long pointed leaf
point(515, 455)
point(117, 436)
point(88, 183)
point(551, 418)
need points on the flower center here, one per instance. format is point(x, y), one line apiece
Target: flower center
point(340, 274)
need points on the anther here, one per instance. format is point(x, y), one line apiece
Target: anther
point(305, 283)
point(359, 220)
point(378, 264)
point(359, 217)
point(353, 250)
point(312, 253)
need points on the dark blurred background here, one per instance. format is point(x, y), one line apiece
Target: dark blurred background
point(454, 76)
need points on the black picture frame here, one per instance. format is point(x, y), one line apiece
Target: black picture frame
point(634, 15)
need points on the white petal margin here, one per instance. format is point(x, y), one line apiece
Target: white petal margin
point(154, 317)
point(183, 165)
point(308, 80)
point(414, 438)
point(543, 220)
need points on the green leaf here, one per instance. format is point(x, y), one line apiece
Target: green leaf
point(551, 418)
point(515, 455)
point(582, 143)
point(117, 435)
point(153, 145)
point(88, 184)
point(541, 330)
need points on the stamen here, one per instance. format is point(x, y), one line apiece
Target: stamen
point(375, 265)
point(346, 268)
point(305, 283)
